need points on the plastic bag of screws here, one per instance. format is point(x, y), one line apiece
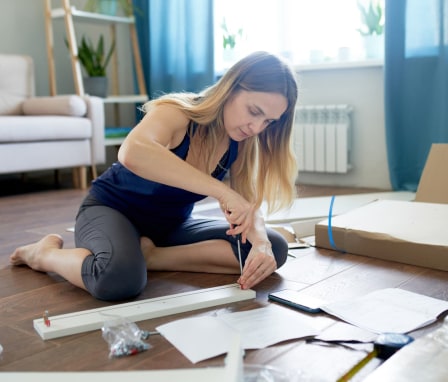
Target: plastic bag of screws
point(124, 337)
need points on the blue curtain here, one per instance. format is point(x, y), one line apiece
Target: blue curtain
point(416, 85)
point(176, 44)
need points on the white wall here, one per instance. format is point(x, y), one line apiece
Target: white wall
point(22, 29)
point(362, 87)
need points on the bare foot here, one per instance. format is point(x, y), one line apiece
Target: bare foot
point(32, 254)
point(147, 247)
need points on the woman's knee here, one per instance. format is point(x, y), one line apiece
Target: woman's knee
point(110, 280)
point(119, 286)
point(116, 270)
point(120, 290)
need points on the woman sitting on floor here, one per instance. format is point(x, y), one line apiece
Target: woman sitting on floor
point(137, 215)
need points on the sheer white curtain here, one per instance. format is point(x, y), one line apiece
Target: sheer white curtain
point(302, 30)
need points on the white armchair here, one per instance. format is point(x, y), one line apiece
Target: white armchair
point(42, 133)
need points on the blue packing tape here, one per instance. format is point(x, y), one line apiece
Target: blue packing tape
point(330, 230)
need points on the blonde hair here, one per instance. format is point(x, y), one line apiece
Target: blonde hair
point(266, 168)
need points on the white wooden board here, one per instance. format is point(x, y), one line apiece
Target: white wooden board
point(184, 375)
point(231, 372)
point(309, 208)
point(87, 320)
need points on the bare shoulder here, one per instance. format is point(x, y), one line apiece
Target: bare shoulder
point(165, 110)
point(164, 123)
point(166, 113)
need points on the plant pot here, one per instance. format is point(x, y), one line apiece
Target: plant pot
point(374, 46)
point(96, 86)
point(108, 7)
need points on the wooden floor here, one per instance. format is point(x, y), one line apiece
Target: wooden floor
point(25, 294)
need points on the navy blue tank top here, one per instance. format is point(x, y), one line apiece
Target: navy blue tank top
point(146, 202)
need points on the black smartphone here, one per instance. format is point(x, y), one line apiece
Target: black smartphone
point(297, 300)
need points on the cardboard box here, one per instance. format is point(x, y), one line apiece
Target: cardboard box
point(433, 185)
point(410, 232)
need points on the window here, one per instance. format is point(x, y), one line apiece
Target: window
point(426, 33)
point(305, 31)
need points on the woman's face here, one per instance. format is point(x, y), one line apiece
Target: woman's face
point(248, 113)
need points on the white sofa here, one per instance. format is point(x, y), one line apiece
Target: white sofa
point(42, 133)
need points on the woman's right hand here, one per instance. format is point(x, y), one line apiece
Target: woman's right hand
point(238, 212)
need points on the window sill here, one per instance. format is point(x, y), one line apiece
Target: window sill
point(340, 65)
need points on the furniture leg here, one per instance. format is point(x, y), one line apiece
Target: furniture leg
point(82, 174)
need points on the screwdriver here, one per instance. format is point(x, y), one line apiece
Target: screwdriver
point(238, 241)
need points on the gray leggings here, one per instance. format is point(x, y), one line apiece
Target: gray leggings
point(116, 269)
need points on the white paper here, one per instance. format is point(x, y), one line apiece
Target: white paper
point(388, 310)
point(342, 331)
point(260, 328)
point(200, 338)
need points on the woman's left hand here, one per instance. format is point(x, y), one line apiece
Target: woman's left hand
point(260, 264)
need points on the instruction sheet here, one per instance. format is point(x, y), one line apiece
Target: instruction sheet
point(388, 310)
point(203, 337)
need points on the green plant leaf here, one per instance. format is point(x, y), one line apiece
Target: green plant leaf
point(371, 17)
point(92, 57)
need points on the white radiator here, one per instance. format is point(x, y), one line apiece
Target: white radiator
point(322, 138)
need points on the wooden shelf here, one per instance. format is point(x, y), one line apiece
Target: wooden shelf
point(59, 13)
point(113, 141)
point(71, 17)
point(133, 98)
point(116, 139)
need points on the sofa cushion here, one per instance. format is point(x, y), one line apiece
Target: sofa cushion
point(16, 82)
point(43, 128)
point(10, 104)
point(71, 105)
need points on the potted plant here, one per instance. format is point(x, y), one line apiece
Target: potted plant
point(94, 61)
point(372, 28)
point(229, 41)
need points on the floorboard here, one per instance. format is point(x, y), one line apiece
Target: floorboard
point(24, 294)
